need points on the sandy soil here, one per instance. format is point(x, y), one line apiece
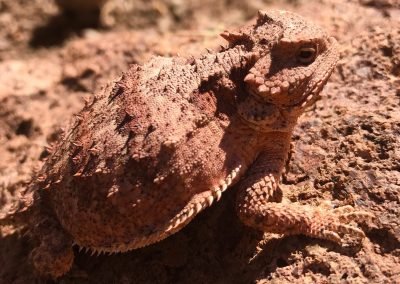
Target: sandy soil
point(346, 149)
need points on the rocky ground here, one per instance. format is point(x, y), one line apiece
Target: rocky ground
point(345, 150)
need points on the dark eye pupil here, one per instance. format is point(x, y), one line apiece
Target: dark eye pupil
point(306, 54)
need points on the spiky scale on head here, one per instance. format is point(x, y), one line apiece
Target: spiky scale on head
point(299, 58)
point(294, 60)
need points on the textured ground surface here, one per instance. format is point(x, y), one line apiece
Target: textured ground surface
point(346, 149)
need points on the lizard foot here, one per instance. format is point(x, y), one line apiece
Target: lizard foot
point(318, 222)
point(332, 224)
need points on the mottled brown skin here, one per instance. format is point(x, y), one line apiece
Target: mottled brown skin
point(161, 143)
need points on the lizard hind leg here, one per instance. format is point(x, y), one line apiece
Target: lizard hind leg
point(53, 256)
point(256, 210)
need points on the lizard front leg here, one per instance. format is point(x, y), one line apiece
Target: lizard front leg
point(258, 207)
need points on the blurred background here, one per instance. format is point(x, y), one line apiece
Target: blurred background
point(51, 22)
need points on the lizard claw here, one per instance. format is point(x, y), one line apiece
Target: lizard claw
point(332, 234)
point(338, 223)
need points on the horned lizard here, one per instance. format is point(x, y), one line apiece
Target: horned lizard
point(164, 141)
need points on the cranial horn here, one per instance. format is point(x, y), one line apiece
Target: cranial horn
point(232, 37)
point(263, 17)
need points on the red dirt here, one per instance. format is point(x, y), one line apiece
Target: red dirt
point(346, 149)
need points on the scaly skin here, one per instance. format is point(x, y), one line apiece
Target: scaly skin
point(163, 142)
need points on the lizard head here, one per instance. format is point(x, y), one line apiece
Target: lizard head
point(291, 58)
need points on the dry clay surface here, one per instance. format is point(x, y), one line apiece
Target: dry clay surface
point(346, 149)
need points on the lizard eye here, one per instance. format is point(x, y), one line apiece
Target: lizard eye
point(307, 54)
